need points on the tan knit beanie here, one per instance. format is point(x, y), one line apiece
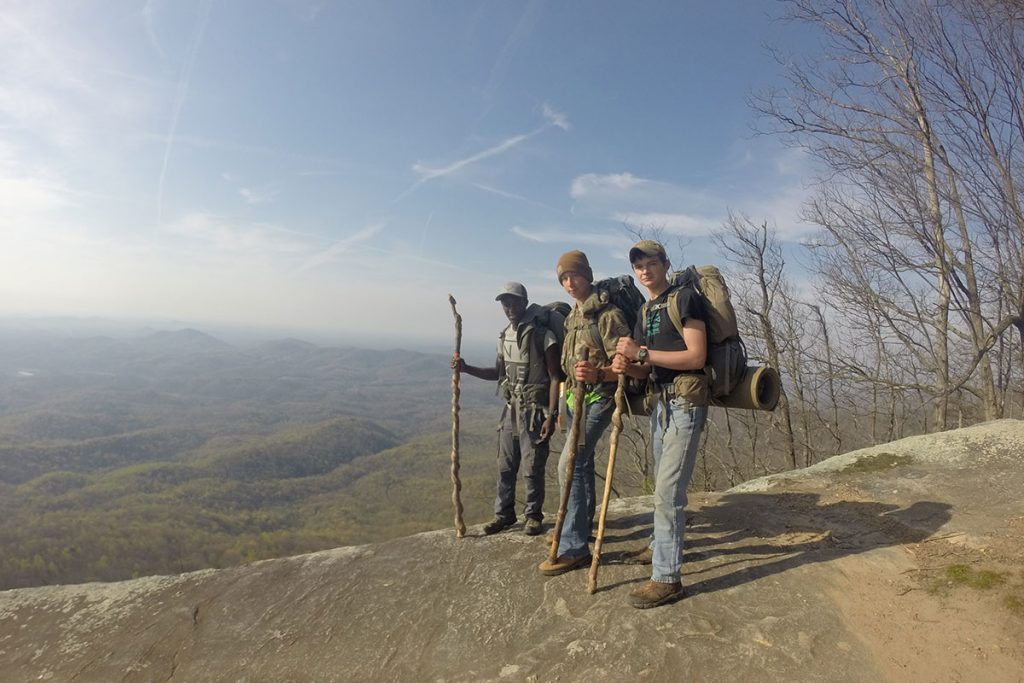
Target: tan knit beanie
point(574, 261)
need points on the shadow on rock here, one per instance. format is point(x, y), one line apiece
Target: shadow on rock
point(744, 537)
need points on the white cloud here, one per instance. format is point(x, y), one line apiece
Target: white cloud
point(782, 209)
point(552, 118)
point(311, 10)
point(527, 21)
point(184, 83)
point(512, 195)
point(342, 246)
point(207, 231)
point(774, 192)
point(149, 18)
point(568, 235)
point(675, 223)
point(427, 173)
point(591, 184)
point(19, 196)
point(793, 161)
point(254, 196)
point(59, 88)
point(555, 117)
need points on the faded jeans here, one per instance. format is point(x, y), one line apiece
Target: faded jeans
point(519, 441)
point(676, 427)
point(579, 513)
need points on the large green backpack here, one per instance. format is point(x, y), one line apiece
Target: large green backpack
point(727, 356)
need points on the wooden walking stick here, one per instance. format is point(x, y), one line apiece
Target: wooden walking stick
point(570, 462)
point(460, 526)
point(620, 400)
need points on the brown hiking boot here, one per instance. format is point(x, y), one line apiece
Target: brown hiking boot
point(643, 556)
point(654, 593)
point(563, 564)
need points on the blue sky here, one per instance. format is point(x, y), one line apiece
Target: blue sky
point(343, 166)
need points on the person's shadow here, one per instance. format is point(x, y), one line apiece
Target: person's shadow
point(743, 537)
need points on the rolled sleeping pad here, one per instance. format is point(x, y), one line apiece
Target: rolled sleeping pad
point(758, 390)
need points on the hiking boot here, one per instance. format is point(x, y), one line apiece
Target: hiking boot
point(533, 527)
point(550, 538)
point(498, 524)
point(643, 556)
point(654, 593)
point(563, 564)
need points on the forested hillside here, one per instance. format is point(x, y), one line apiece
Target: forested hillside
point(176, 451)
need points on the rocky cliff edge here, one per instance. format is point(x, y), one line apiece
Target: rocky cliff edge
point(902, 562)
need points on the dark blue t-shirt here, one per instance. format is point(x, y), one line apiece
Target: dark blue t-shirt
point(656, 331)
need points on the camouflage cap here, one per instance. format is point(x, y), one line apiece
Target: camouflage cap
point(512, 289)
point(647, 249)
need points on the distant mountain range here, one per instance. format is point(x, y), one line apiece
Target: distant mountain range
point(175, 450)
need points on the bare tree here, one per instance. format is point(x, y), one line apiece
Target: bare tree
point(915, 113)
point(756, 252)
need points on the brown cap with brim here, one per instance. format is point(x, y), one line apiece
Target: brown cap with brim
point(647, 249)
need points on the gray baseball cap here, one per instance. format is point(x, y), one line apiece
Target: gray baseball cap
point(512, 289)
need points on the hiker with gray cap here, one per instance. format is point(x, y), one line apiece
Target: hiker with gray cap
point(673, 360)
point(527, 369)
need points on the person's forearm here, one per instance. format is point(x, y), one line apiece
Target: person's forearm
point(690, 359)
point(490, 374)
point(552, 397)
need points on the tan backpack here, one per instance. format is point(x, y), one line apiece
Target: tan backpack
point(727, 356)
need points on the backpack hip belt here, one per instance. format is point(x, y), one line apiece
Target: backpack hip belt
point(529, 395)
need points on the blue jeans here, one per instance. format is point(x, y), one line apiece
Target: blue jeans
point(579, 514)
point(676, 427)
point(519, 441)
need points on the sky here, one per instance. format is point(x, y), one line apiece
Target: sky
point(344, 166)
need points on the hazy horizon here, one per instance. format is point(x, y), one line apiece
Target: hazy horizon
point(236, 334)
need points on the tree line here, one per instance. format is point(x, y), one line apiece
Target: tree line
point(913, 319)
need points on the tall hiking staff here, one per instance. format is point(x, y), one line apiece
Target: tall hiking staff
point(570, 462)
point(620, 400)
point(460, 526)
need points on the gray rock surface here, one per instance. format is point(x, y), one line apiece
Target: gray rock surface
point(824, 574)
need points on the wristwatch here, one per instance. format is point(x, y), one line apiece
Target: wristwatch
point(641, 355)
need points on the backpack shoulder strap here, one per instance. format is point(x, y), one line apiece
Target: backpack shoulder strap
point(595, 332)
point(673, 310)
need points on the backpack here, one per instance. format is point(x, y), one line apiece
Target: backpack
point(623, 293)
point(548, 317)
point(727, 356)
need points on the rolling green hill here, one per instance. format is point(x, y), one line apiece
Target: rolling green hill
point(176, 451)
point(308, 489)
